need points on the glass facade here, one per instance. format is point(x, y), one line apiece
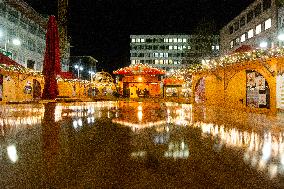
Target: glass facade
point(167, 51)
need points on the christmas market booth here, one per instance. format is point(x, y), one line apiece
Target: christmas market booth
point(250, 80)
point(139, 80)
point(73, 88)
point(174, 87)
point(18, 83)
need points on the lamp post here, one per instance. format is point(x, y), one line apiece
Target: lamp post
point(281, 39)
point(263, 44)
point(79, 68)
point(91, 73)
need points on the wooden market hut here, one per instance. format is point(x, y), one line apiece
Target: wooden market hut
point(139, 80)
point(173, 86)
point(18, 83)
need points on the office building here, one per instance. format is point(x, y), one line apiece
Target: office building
point(260, 25)
point(172, 51)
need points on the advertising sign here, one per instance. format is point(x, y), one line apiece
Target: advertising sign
point(257, 90)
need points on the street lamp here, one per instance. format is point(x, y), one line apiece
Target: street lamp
point(281, 39)
point(16, 42)
point(91, 73)
point(263, 44)
point(79, 68)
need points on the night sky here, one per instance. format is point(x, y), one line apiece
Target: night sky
point(101, 28)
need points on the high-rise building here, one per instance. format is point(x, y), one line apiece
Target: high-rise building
point(260, 25)
point(22, 34)
point(172, 51)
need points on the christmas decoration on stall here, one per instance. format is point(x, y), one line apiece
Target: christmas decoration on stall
point(103, 79)
point(244, 56)
point(139, 69)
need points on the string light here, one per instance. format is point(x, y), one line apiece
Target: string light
point(139, 69)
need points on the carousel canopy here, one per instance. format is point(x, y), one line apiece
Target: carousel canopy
point(139, 69)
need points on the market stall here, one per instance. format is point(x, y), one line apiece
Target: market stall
point(139, 80)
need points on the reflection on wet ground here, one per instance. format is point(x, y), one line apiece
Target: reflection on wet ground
point(138, 145)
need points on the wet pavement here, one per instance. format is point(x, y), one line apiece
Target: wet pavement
point(138, 145)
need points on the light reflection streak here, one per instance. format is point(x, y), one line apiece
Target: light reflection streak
point(177, 150)
point(16, 117)
point(12, 153)
point(139, 154)
point(261, 152)
point(141, 125)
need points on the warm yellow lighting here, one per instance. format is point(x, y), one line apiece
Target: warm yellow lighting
point(140, 115)
point(12, 153)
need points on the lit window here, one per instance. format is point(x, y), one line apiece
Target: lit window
point(179, 40)
point(250, 33)
point(161, 61)
point(213, 47)
point(138, 40)
point(237, 40)
point(170, 47)
point(188, 47)
point(175, 40)
point(166, 54)
point(217, 47)
point(175, 62)
point(161, 54)
point(184, 40)
point(232, 44)
point(170, 40)
point(142, 40)
point(243, 37)
point(132, 61)
point(156, 61)
point(170, 61)
point(179, 47)
point(175, 47)
point(184, 47)
point(133, 40)
point(267, 24)
point(258, 29)
point(166, 40)
point(166, 61)
point(156, 54)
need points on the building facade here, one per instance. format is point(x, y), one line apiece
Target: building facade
point(260, 25)
point(171, 51)
point(22, 34)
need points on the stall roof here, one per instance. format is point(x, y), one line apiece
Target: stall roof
point(6, 60)
point(139, 69)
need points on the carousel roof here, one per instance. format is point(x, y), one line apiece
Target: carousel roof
point(139, 69)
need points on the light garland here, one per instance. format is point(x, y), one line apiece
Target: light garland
point(244, 56)
point(139, 69)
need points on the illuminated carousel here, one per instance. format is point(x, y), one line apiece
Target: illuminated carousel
point(139, 80)
point(102, 84)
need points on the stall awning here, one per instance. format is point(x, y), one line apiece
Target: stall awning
point(7, 61)
point(139, 69)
